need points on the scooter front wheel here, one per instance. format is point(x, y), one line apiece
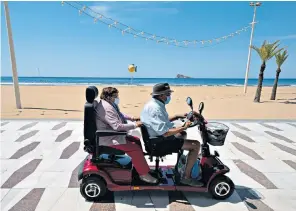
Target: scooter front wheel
point(92, 188)
point(221, 187)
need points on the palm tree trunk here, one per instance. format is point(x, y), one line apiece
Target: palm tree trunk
point(260, 81)
point(274, 88)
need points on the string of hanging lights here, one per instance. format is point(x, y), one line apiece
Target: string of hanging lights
point(125, 29)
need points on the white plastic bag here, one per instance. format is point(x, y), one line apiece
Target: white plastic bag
point(182, 165)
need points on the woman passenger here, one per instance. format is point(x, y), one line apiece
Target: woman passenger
point(109, 117)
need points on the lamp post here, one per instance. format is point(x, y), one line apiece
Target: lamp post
point(12, 58)
point(255, 5)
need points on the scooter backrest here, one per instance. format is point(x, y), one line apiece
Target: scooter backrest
point(90, 127)
point(91, 94)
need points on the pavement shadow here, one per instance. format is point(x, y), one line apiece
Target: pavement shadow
point(180, 200)
point(288, 102)
point(50, 109)
point(287, 99)
point(250, 197)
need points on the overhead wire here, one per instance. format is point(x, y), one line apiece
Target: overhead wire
point(125, 29)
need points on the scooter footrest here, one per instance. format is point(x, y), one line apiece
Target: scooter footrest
point(170, 176)
point(163, 181)
point(169, 172)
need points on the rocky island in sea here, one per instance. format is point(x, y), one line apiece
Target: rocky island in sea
point(182, 76)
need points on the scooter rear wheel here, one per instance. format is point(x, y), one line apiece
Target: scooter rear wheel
point(221, 187)
point(92, 188)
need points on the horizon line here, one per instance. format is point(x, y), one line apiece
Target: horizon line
point(129, 77)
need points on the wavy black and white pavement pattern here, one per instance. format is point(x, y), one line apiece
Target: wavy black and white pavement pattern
point(39, 162)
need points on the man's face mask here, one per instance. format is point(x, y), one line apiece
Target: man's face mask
point(168, 99)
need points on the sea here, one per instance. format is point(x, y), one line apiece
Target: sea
point(72, 81)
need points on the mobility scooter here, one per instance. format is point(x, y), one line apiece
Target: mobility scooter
point(107, 169)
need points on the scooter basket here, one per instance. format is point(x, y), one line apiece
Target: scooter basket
point(216, 133)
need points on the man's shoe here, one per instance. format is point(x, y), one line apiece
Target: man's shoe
point(149, 179)
point(191, 182)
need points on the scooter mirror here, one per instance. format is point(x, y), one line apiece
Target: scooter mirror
point(201, 107)
point(189, 102)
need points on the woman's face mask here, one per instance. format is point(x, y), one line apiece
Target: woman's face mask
point(116, 101)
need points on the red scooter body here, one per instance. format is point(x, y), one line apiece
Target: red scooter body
point(106, 168)
point(120, 178)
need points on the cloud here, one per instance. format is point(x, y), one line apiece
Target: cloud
point(126, 9)
point(102, 9)
point(154, 10)
point(287, 37)
point(131, 13)
point(284, 37)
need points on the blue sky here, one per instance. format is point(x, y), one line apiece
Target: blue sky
point(59, 42)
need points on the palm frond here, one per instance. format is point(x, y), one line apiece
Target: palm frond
point(261, 50)
point(267, 50)
point(281, 58)
point(273, 53)
point(264, 43)
point(272, 49)
point(258, 50)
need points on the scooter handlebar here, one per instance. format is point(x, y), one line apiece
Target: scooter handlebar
point(197, 119)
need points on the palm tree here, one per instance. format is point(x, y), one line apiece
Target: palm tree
point(280, 59)
point(266, 52)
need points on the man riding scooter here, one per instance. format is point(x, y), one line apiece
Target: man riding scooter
point(158, 123)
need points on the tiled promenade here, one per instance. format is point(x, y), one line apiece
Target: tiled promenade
point(39, 162)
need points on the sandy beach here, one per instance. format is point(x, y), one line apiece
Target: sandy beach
point(66, 102)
